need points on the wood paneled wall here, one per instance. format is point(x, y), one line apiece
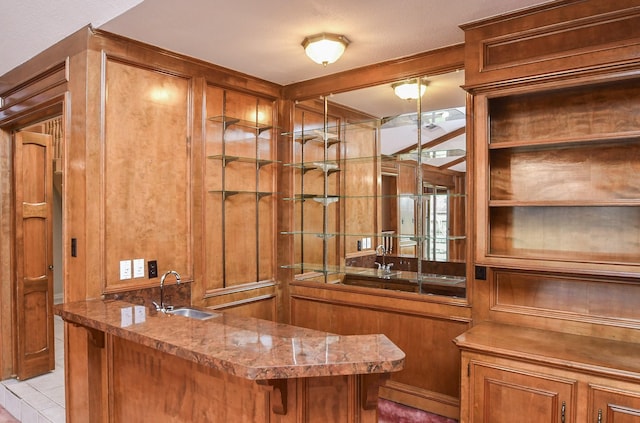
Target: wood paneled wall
point(423, 328)
point(146, 181)
point(111, 208)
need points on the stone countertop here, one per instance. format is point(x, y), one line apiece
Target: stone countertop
point(241, 346)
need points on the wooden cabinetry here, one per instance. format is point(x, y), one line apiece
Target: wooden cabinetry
point(512, 374)
point(608, 405)
point(503, 394)
point(557, 211)
point(557, 183)
point(557, 137)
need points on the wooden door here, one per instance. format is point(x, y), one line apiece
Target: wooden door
point(503, 395)
point(614, 406)
point(33, 252)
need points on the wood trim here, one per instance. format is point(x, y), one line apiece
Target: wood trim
point(551, 42)
point(574, 298)
point(156, 57)
point(433, 402)
point(278, 393)
point(433, 62)
point(238, 288)
point(381, 300)
point(48, 59)
point(36, 91)
point(243, 302)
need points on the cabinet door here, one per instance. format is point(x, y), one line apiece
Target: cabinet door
point(614, 406)
point(504, 395)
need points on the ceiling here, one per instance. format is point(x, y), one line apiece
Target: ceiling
point(259, 38)
point(263, 39)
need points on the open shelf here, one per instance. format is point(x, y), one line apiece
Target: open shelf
point(228, 122)
point(561, 176)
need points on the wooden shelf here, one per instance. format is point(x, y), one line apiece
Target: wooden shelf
point(560, 177)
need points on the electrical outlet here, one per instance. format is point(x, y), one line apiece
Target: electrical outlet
point(152, 268)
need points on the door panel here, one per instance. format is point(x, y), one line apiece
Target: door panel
point(614, 406)
point(34, 256)
point(505, 395)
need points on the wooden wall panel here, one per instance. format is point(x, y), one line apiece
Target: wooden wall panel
point(580, 299)
point(359, 174)
point(424, 333)
point(142, 375)
point(574, 36)
point(6, 243)
point(147, 184)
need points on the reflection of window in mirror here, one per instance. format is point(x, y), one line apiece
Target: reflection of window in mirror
point(436, 223)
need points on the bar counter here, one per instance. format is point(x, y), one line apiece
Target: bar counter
point(278, 372)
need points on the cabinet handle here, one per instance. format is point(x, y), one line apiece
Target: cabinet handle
point(600, 415)
point(563, 411)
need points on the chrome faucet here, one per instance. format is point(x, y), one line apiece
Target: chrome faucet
point(161, 307)
point(381, 251)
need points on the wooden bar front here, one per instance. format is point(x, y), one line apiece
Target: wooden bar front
point(226, 369)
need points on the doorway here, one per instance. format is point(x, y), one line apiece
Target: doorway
point(37, 186)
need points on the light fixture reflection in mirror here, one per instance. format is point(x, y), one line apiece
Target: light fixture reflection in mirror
point(410, 90)
point(325, 48)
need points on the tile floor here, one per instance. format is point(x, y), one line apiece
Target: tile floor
point(39, 399)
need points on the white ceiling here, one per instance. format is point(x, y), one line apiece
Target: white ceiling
point(262, 39)
point(259, 38)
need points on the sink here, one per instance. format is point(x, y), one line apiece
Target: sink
point(192, 313)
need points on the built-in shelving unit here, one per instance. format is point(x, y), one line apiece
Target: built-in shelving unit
point(241, 194)
point(560, 179)
point(338, 196)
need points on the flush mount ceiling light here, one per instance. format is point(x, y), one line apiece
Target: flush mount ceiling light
point(325, 48)
point(410, 90)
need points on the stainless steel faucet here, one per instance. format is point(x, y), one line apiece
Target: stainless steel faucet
point(381, 251)
point(161, 307)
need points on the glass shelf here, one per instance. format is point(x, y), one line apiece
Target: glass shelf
point(410, 237)
point(431, 154)
point(302, 197)
point(425, 278)
point(383, 159)
point(397, 121)
point(228, 121)
point(319, 198)
point(230, 159)
point(318, 136)
point(229, 193)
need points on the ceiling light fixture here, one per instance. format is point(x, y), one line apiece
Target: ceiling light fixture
point(325, 48)
point(410, 90)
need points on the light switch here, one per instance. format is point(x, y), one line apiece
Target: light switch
point(138, 268)
point(125, 269)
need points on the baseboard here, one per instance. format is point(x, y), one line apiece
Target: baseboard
point(432, 402)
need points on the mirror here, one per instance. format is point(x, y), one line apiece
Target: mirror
point(399, 192)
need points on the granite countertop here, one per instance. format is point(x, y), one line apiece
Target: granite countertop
point(241, 346)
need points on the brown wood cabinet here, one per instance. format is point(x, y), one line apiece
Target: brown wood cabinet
point(518, 374)
point(557, 215)
point(558, 190)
